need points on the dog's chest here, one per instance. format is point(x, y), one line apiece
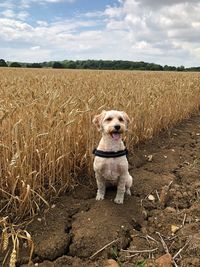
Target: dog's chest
point(111, 171)
point(111, 168)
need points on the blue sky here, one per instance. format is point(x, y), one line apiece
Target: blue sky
point(164, 32)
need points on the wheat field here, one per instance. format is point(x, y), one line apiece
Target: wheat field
point(46, 134)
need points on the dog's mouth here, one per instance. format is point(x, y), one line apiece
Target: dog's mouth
point(116, 135)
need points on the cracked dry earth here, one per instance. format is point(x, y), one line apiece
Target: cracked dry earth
point(162, 214)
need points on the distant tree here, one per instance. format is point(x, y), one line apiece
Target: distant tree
point(173, 68)
point(120, 65)
point(166, 68)
point(169, 68)
point(47, 64)
point(71, 65)
point(3, 63)
point(107, 64)
point(181, 68)
point(79, 64)
point(57, 65)
point(100, 63)
point(193, 69)
point(85, 64)
point(15, 65)
point(93, 64)
point(156, 67)
point(34, 65)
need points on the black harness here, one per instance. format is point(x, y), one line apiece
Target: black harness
point(110, 154)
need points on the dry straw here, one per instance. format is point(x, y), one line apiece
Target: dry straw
point(15, 233)
point(46, 134)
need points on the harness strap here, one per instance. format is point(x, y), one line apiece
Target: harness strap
point(110, 154)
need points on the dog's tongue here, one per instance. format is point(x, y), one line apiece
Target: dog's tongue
point(116, 136)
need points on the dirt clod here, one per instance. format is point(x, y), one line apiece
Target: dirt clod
point(111, 263)
point(164, 261)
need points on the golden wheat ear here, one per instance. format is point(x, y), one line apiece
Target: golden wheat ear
point(98, 120)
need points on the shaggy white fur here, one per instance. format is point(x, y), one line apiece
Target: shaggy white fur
point(112, 124)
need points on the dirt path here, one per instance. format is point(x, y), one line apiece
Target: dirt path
point(164, 206)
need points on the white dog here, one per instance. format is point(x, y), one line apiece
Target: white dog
point(110, 162)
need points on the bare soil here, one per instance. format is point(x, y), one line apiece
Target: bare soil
point(162, 215)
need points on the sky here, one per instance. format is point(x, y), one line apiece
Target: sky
point(164, 32)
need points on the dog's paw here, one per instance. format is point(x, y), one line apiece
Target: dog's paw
point(119, 200)
point(128, 191)
point(99, 197)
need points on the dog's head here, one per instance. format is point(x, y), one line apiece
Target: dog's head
point(112, 122)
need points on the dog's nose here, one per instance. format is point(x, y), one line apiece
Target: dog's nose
point(117, 127)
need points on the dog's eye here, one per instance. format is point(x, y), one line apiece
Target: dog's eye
point(121, 119)
point(109, 119)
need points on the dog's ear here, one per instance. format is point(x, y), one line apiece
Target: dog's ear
point(98, 119)
point(126, 118)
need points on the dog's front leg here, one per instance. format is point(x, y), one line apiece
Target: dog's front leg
point(101, 187)
point(119, 199)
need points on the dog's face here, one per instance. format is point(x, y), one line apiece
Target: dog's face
point(113, 122)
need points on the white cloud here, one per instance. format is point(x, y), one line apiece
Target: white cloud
point(33, 48)
point(42, 23)
point(7, 4)
point(114, 12)
point(94, 14)
point(22, 15)
point(14, 30)
point(26, 4)
point(9, 13)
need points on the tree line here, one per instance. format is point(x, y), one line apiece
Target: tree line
point(98, 65)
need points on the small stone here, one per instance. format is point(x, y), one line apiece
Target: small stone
point(151, 198)
point(174, 228)
point(149, 158)
point(111, 263)
point(170, 210)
